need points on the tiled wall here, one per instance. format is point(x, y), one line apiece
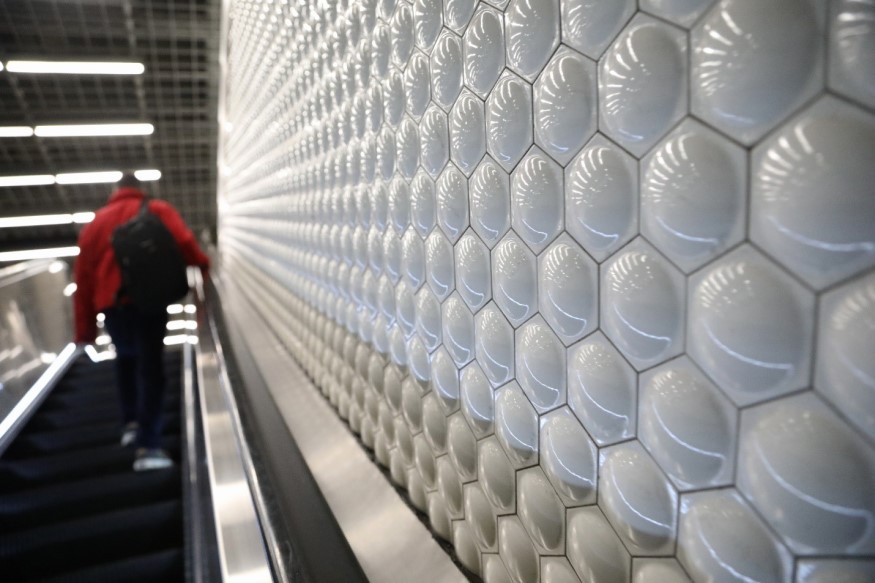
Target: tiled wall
point(592, 278)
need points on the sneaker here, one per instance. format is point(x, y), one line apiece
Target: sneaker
point(151, 459)
point(129, 434)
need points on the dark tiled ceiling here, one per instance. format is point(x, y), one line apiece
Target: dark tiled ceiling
point(177, 40)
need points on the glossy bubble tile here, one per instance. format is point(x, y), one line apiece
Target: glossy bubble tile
point(785, 469)
point(823, 149)
point(722, 538)
point(591, 279)
point(750, 326)
point(752, 66)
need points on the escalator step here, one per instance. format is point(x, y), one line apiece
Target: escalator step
point(163, 566)
point(86, 542)
point(71, 465)
point(45, 442)
point(54, 420)
point(63, 502)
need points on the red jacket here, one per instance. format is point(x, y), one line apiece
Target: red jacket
point(97, 274)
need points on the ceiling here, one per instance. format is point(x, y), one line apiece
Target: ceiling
point(176, 40)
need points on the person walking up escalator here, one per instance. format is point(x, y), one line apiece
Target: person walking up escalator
point(135, 314)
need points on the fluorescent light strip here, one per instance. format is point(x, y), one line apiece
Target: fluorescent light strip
point(16, 132)
point(145, 175)
point(42, 220)
point(89, 177)
point(32, 180)
point(28, 254)
point(100, 129)
point(75, 67)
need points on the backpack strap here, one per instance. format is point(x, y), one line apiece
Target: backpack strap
point(143, 211)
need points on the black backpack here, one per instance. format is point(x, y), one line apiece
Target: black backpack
point(152, 267)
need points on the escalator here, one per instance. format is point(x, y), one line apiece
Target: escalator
point(245, 428)
point(71, 506)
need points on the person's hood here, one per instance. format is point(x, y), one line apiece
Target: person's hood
point(125, 193)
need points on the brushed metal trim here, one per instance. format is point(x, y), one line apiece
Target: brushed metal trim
point(387, 538)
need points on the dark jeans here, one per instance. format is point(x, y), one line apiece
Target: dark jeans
point(139, 367)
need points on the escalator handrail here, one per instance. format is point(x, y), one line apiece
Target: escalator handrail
point(256, 553)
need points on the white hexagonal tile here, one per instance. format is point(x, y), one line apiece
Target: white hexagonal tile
point(565, 104)
point(788, 468)
point(462, 447)
point(694, 195)
point(494, 344)
point(569, 458)
point(825, 149)
point(407, 142)
point(509, 131)
point(394, 98)
point(536, 199)
point(516, 425)
point(413, 259)
point(851, 38)
point(466, 546)
point(643, 83)
point(445, 379)
point(473, 272)
point(540, 511)
point(457, 13)
point(845, 345)
point(568, 289)
point(405, 308)
point(722, 539)
point(467, 132)
point(402, 34)
point(381, 50)
point(399, 204)
point(434, 139)
point(446, 69)
point(417, 84)
point(602, 390)
point(516, 550)
point(601, 197)
point(458, 329)
point(752, 67)
point(688, 426)
point(540, 364)
point(642, 305)
point(428, 318)
point(490, 201)
point(411, 404)
point(450, 487)
point(591, 25)
point(480, 515)
point(452, 203)
point(637, 499)
point(425, 462)
point(496, 476)
point(532, 33)
point(427, 22)
point(434, 424)
point(750, 327)
point(439, 516)
point(423, 203)
point(514, 277)
point(477, 400)
point(483, 51)
point(417, 359)
point(439, 268)
point(594, 549)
